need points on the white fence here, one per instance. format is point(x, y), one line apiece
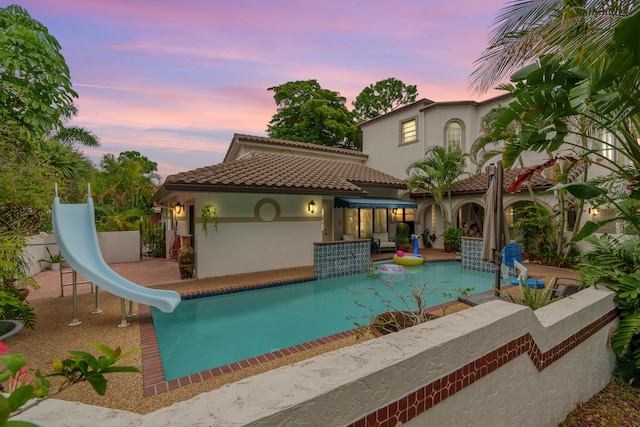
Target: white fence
point(116, 246)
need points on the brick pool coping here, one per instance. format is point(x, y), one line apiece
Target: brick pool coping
point(153, 378)
point(152, 372)
point(402, 410)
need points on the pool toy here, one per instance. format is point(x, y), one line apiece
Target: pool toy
point(75, 230)
point(416, 249)
point(391, 269)
point(538, 284)
point(402, 259)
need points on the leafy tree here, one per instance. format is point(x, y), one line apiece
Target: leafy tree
point(524, 30)
point(436, 173)
point(26, 186)
point(34, 78)
point(309, 113)
point(382, 97)
point(124, 186)
point(599, 83)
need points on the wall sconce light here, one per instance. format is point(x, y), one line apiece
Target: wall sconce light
point(594, 211)
point(394, 211)
point(312, 207)
point(178, 207)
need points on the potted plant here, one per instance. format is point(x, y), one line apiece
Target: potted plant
point(15, 283)
point(54, 260)
point(209, 214)
point(452, 238)
point(403, 237)
point(428, 238)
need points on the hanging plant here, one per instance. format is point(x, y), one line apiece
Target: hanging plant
point(209, 215)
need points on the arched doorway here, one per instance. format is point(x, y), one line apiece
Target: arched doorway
point(469, 214)
point(433, 222)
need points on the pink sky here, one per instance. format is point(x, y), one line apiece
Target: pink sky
point(175, 80)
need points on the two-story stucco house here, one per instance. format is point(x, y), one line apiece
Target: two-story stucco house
point(274, 198)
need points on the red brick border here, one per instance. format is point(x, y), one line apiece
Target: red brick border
point(153, 374)
point(435, 392)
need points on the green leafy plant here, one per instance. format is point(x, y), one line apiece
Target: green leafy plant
point(453, 236)
point(614, 262)
point(54, 258)
point(13, 306)
point(533, 229)
point(15, 282)
point(530, 296)
point(209, 214)
point(428, 238)
point(404, 309)
point(27, 387)
point(403, 232)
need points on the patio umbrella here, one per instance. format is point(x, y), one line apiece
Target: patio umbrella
point(495, 232)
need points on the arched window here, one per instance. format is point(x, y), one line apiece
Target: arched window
point(454, 135)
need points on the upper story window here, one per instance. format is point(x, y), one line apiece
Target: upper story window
point(409, 131)
point(454, 135)
point(608, 146)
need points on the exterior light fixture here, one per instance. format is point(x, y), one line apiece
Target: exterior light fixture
point(312, 207)
point(594, 211)
point(178, 207)
point(394, 211)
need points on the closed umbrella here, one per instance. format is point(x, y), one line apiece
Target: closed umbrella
point(495, 233)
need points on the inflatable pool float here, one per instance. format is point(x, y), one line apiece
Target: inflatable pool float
point(391, 269)
point(402, 259)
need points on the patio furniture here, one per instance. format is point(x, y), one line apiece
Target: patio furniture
point(384, 243)
point(563, 286)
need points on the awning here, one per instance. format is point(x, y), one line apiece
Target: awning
point(366, 202)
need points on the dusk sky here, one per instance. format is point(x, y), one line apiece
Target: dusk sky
point(175, 80)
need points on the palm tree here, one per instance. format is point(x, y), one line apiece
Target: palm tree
point(525, 30)
point(436, 173)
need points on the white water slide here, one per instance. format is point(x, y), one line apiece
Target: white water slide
point(75, 230)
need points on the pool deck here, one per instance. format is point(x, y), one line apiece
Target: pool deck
point(157, 272)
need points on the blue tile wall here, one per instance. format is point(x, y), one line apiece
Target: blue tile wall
point(341, 258)
point(471, 256)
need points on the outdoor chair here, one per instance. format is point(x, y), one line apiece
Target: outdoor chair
point(563, 286)
point(383, 242)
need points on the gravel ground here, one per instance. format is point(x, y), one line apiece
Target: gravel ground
point(53, 337)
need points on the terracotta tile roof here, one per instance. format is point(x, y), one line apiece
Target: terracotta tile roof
point(477, 184)
point(292, 144)
point(262, 172)
point(423, 101)
point(495, 99)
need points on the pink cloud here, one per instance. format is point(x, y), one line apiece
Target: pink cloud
point(185, 76)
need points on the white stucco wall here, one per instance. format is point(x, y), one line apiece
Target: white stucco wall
point(115, 246)
point(119, 246)
point(381, 142)
point(256, 232)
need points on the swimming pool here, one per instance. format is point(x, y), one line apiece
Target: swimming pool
point(204, 333)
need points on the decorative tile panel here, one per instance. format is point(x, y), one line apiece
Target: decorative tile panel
point(471, 257)
point(341, 258)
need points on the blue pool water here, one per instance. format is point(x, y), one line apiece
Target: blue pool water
point(208, 332)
